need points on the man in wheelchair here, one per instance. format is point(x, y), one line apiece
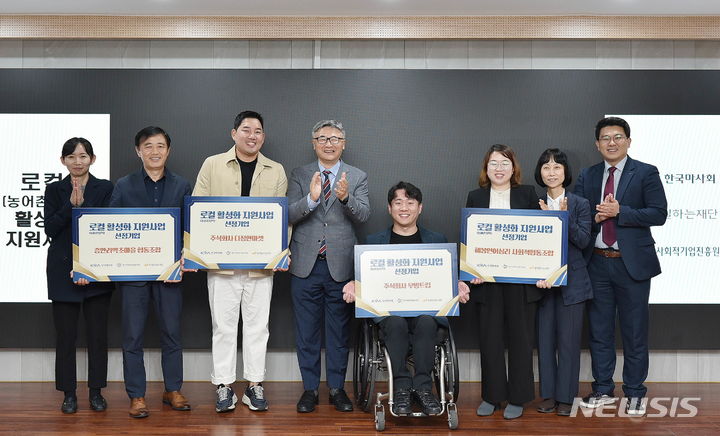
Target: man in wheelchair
point(405, 334)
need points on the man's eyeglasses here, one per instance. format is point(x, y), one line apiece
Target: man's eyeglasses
point(616, 139)
point(248, 132)
point(334, 140)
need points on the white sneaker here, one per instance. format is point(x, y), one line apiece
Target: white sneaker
point(636, 406)
point(597, 399)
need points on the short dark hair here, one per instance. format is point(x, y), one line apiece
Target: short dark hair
point(612, 121)
point(411, 191)
point(558, 156)
point(507, 152)
point(148, 132)
point(71, 144)
point(248, 114)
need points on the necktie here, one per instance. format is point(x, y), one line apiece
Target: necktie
point(326, 197)
point(326, 185)
point(608, 226)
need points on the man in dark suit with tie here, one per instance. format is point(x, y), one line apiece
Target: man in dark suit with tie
point(628, 198)
point(152, 186)
point(327, 199)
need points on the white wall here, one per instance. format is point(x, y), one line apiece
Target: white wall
point(666, 366)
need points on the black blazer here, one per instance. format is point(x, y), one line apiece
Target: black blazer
point(521, 197)
point(58, 227)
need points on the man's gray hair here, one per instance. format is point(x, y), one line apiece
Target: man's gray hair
point(328, 123)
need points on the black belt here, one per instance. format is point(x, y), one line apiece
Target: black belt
point(322, 256)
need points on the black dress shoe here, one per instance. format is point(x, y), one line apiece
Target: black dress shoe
point(69, 405)
point(307, 402)
point(425, 399)
point(98, 403)
point(402, 404)
point(547, 405)
point(340, 400)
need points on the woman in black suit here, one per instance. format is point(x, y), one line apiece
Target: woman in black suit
point(78, 189)
point(560, 312)
point(507, 311)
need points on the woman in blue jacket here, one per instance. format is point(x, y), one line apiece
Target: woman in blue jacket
point(560, 312)
point(78, 189)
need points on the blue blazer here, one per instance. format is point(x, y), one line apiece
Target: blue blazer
point(642, 204)
point(58, 227)
point(130, 192)
point(426, 236)
point(578, 287)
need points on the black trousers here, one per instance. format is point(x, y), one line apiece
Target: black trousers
point(66, 315)
point(507, 320)
point(400, 334)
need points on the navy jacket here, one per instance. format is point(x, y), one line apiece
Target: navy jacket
point(58, 226)
point(130, 192)
point(427, 237)
point(642, 204)
point(578, 287)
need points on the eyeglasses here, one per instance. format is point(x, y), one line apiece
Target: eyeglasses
point(503, 165)
point(617, 139)
point(334, 140)
point(248, 132)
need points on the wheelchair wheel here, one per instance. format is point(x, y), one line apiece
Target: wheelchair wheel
point(453, 420)
point(363, 366)
point(380, 419)
point(453, 379)
point(451, 370)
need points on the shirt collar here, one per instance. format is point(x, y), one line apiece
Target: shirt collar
point(147, 177)
point(619, 167)
point(560, 197)
point(334, 169)
point(231, 156)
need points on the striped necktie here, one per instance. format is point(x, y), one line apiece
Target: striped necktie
point(326, 186)
point(326, 197)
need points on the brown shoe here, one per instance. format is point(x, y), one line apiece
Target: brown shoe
point(547, 406)
point(176, 400)
point(564, 409)
point(138, 409)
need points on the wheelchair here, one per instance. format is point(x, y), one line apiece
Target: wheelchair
point(371, 359)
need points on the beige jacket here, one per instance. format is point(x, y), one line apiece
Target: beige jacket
point(220, 176)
